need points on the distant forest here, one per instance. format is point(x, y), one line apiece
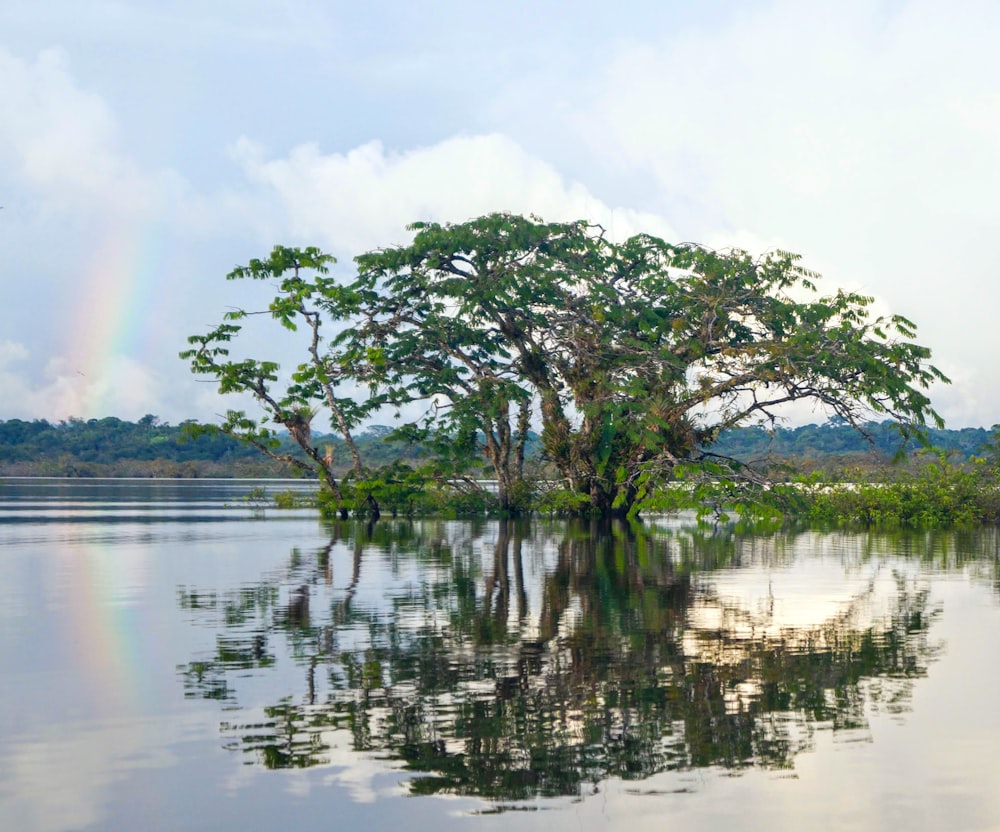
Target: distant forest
point(112, 447)
point(839, 440)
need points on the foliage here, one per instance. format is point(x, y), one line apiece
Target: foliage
point(451, 503)
point(305, 297)
point(402, 491)
point(838, 439)
point(941, 494)
point(257, 498)
point(291, 499)
point(634, 357)
point(725, 500)
point(113, 447)
point(396, 488)
point(561, 502)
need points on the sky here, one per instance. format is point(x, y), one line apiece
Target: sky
point(146, 148)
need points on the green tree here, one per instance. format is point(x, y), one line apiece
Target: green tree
point(634, 357)
point(306, 296)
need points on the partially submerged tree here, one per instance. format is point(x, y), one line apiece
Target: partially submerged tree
point(632, 358)
point(458, 319)
point(306, 296)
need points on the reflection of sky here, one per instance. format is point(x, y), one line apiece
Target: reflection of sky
point(935, 769)
point(95, 732)
point(91, 638)
point(762, 602)
point(62, 776)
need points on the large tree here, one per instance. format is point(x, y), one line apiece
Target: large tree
point(633, 357)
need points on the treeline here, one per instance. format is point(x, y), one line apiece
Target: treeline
point(112, 447)
point(834, 445)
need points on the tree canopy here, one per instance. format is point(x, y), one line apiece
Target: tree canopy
point(631, 358)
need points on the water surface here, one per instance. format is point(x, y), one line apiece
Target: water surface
point(173, 657)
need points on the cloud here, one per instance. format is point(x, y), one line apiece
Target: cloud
point(862, 135)
point(844, 131)
point(12, 352)
point(793, 106)
point(363, 198)
point(64, 151)
point(63, 138)
point(60, 131)
point(123, 387)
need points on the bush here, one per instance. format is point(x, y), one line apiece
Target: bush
point(400, 490)
point(291, 499)
point(561, 502)
point(940, 495)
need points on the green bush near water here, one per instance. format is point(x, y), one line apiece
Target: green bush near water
point(940, 495)
point(292, 499)
point(400, 491)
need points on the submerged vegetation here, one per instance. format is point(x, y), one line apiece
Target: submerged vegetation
point(822, 473)
point(940, 495)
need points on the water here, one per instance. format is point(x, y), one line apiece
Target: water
point(173, 657)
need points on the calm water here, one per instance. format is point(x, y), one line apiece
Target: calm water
point(173, 659)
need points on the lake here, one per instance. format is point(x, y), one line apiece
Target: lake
point(175, 657)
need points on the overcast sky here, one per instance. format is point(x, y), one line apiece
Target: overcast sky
point(148, 147)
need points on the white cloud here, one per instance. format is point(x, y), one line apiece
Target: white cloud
point(124, 387)
point(64, 147)
point(808, 124)
point(60, 131)
point(12, 352)
point(62, 139)
point(364, 198)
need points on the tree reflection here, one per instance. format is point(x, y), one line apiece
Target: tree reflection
point(514, 660)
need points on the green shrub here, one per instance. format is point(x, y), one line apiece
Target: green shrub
point(561, 502)
point(940, 495)
point(291, 499)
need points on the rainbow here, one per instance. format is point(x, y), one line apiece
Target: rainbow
point(112, 651)
point(121, 285)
